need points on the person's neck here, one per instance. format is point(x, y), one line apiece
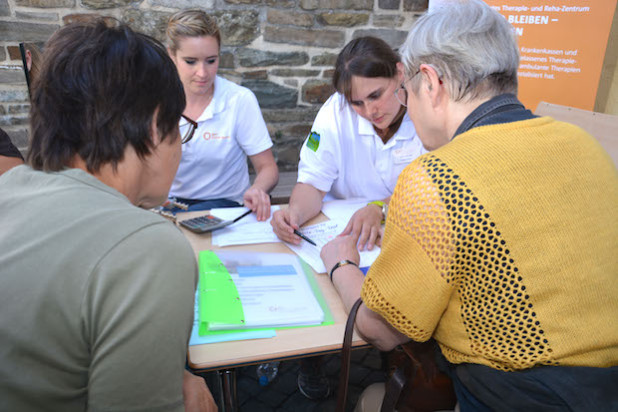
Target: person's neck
point(122, 177)
point(388, 132)
point(459, 111)
point(197, 103)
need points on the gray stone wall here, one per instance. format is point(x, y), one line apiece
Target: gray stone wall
point(283, 50)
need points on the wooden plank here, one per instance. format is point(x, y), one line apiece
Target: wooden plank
point(604, 127)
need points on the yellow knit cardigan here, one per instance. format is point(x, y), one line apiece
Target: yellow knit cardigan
point(503, 245)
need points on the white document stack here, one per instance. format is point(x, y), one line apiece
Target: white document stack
point(273, 289)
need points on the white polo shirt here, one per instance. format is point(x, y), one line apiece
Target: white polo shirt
point(214, 162)
point(345, 157)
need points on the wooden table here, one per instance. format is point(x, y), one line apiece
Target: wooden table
point(288, 344)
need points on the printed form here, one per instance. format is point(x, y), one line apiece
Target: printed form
point(321, 234)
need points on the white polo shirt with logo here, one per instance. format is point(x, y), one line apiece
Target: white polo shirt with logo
point(345, 157)
point(214, 162)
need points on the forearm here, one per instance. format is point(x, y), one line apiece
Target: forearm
point(267, 178)
point(348, 280)
point(306, 202)
point(266, 172)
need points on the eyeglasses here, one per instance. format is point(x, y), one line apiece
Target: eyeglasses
point(190, 130)
point(402, 101)
point(402, 88)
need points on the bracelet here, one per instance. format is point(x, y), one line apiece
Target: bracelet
point(339, 264)
point(381, 205)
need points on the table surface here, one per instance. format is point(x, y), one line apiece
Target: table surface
point(288, 343)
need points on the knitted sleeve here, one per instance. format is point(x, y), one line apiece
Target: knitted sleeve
point(407, 284)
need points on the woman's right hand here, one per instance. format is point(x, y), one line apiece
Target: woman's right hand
point(284, 222)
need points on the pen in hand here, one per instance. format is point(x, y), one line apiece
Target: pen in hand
point(296, 232)
point(241, 216)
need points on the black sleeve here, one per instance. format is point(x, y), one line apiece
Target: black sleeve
point(7, 148)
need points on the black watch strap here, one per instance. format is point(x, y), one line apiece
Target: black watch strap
point(339, 264)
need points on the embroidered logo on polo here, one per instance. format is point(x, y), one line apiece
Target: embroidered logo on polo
point(313, 141)
point(214, 136)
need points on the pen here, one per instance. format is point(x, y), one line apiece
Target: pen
point(296, 232)
point(241, 216)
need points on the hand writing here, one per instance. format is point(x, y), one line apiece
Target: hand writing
point(284, 222)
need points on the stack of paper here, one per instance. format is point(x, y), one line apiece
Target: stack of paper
point(240, 290)
point(246, 231)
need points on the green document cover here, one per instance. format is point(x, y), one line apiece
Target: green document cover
point(273, 286)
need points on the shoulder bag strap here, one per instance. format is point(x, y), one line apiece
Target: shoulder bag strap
point(345, 357)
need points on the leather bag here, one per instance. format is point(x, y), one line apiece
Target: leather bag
point(415, 384)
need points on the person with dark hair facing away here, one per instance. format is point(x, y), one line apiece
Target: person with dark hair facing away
point(502, 242)
point(359, 143)
point(96, 293)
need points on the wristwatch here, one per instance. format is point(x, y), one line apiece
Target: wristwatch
point(383, 206)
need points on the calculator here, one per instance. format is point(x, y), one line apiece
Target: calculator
point(203, 224)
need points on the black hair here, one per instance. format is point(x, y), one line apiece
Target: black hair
point(99, 87)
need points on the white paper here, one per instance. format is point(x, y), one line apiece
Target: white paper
point(230, 213)
point(321, 234)
point(244, 232)
point(343, 209)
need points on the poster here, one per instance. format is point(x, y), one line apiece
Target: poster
point(562, 46)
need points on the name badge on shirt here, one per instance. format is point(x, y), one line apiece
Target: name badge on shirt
point(404, 155)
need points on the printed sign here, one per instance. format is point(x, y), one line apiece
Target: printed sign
point(562, 46)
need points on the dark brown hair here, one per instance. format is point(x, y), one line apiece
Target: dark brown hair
point(364, 57)
point(97, 92)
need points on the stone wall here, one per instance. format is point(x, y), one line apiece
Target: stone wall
point(283, 50)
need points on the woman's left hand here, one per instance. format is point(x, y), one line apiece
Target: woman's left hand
point(258, 201)
point(365, 225)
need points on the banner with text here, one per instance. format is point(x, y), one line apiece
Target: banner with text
point(562, 46)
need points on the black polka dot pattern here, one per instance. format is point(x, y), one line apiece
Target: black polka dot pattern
point(469, 251)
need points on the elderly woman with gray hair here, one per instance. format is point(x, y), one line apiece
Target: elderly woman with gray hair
point(501, 243)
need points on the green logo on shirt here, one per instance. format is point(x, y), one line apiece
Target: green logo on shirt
point(313, 142)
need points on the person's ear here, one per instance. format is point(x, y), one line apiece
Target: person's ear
point(400, 73)
point(172, 54)
point(432, 83)
point(28, 59)
point(154, 130)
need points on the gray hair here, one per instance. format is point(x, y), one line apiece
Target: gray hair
point(470, 44)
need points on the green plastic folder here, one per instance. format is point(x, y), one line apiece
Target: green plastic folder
point(219, 300)
point(223, 306)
